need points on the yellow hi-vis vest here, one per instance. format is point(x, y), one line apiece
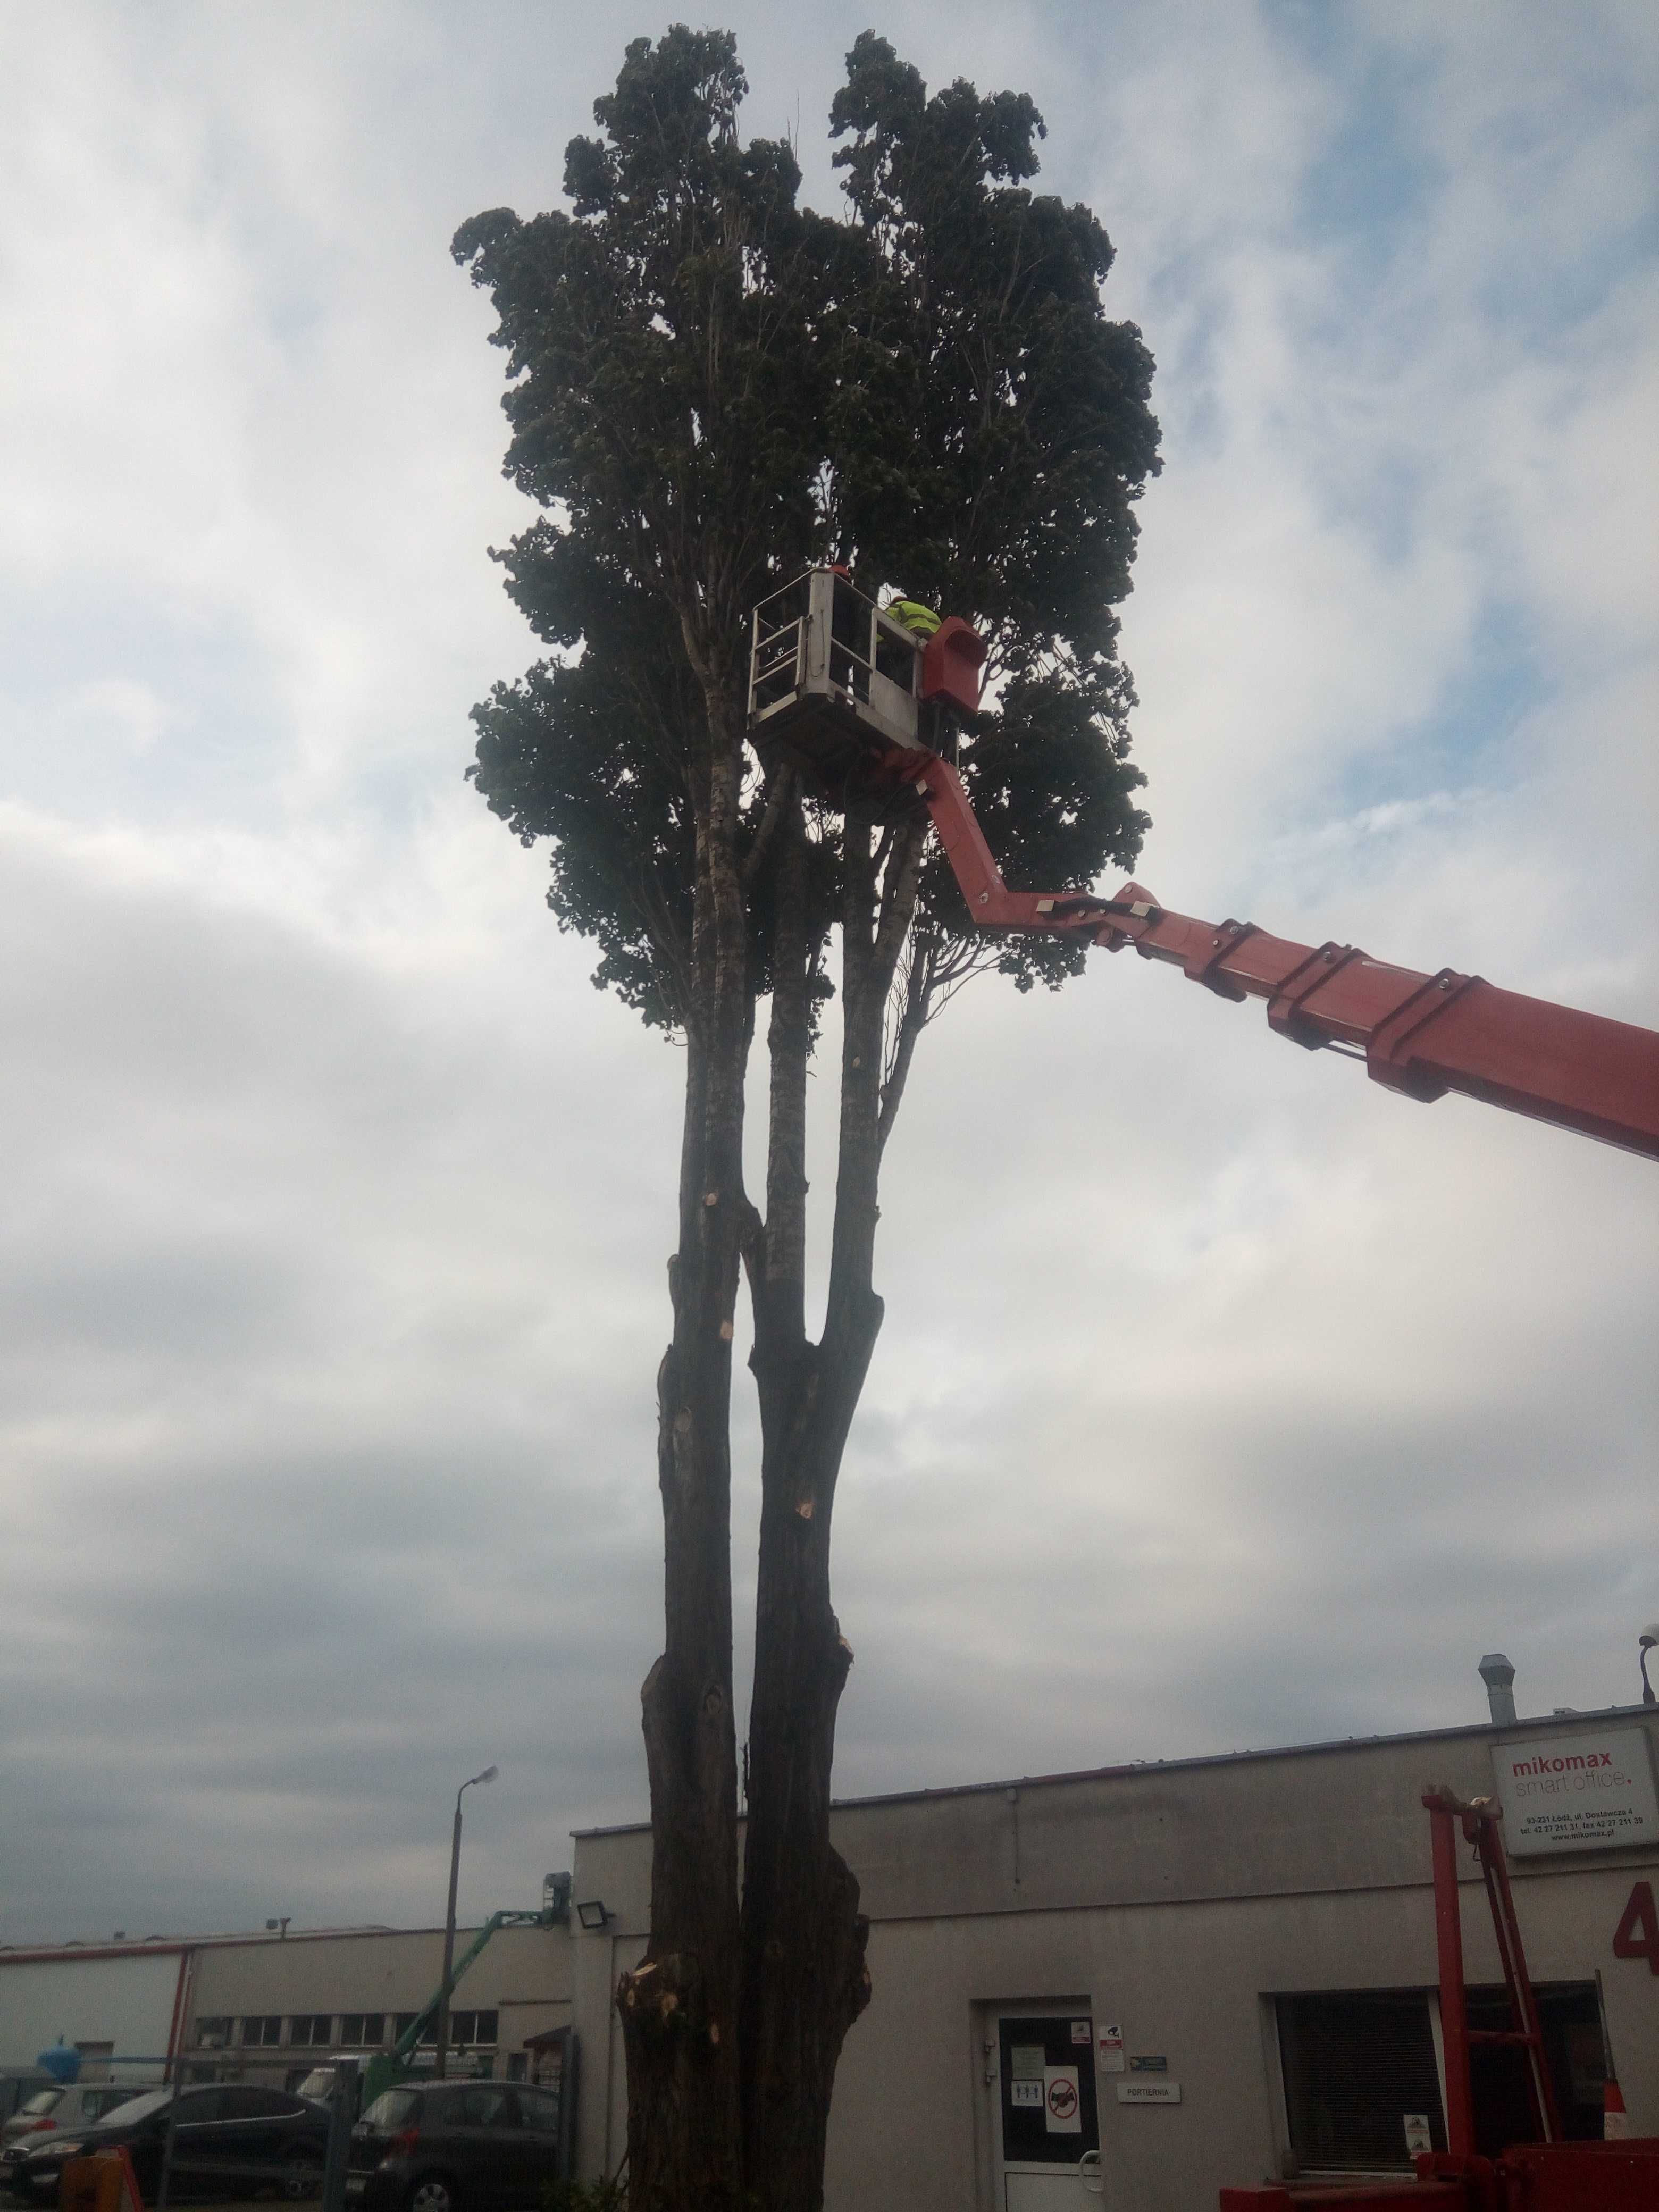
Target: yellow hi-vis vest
point(911, 614)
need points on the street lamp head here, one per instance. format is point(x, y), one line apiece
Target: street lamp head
point(1645, 1644)
point(488, 1774)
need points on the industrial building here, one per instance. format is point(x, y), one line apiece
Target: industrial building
point(1206, 1971)
point(271, 2007)
point(1226, 1965)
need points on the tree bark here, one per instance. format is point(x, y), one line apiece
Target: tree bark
point(679, 2007)
point(805, 1979)
point(733, 2023)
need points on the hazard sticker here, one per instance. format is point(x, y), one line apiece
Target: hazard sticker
point(1063, 2107)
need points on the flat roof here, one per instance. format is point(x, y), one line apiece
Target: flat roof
point(1495, 1729)
point(170, 1946)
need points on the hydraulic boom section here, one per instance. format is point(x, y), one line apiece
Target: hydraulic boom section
point(1421, 1035)
point(861, 707)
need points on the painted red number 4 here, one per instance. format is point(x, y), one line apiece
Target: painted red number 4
point(1637, 1935)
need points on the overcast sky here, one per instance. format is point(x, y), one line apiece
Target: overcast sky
point(1224, 1400)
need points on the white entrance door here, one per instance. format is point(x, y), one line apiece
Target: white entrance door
point(1047, 2118)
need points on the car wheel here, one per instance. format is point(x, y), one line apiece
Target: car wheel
point(301, 2178)
point(431, 2193)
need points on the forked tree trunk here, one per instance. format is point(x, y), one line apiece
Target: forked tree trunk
point(805, 1979)
point(732, 2024)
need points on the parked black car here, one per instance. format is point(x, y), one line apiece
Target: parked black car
point(455, 2147)
point(230, 2139)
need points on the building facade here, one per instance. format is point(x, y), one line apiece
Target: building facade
point(272, 2007)
point(1205, 1971)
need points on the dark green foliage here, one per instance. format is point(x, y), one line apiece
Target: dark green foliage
point(659, 338)
point(1027, 433)
point(592, 753)
point(709, 385)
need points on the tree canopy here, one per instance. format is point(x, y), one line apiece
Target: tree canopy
point(710, 387)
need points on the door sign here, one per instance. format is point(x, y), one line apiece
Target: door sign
point(1028, 2093)
point(1065, 2105)
point(1080, 2032)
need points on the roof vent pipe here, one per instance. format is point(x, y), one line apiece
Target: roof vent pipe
point(1498, 1676)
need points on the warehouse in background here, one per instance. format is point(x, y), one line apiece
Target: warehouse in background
point(271, 2007)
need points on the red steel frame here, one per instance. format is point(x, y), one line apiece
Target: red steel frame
point(1421, 1035)
point(1478, 1820)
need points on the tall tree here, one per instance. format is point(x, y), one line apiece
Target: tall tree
point(708, 387)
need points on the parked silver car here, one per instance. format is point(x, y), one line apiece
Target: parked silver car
point(66, 2105)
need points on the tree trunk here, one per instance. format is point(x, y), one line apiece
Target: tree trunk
point(679, 2007)
point(805, 1979)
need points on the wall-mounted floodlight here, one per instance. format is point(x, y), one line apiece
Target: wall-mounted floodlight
point(594, 1916)
point(1645, 1642)
point(278, 1927)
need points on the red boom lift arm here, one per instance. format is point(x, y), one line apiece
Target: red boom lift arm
point(1422, 1034)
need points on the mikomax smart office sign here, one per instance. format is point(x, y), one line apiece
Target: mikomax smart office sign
point(1583, 1791)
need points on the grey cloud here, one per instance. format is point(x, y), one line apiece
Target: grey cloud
point(1221, 1401)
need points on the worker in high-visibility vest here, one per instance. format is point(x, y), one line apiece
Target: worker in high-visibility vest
point(911, 614)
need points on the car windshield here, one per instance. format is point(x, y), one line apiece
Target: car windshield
point(43, 2100)
point(140, 2108)
point(391, 2108)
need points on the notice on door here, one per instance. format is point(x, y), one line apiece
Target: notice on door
point(1585, 1789)
point(1064, 2104)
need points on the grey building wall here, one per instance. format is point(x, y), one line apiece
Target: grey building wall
point(138, 1996)
point(124, 1998)
point(523, 1974)
point(1176, 1899)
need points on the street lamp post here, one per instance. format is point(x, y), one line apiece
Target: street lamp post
point(488, 1774)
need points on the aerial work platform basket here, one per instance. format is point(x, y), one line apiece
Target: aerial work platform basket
point(837, 683)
